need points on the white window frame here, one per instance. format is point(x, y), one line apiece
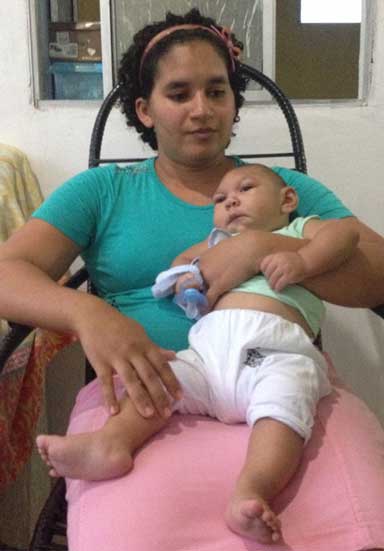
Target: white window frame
point(368, 17)
point(269, 51)
point(106, 44)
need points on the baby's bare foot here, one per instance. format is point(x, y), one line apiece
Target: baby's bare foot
point(88, 456)
point(253, 518)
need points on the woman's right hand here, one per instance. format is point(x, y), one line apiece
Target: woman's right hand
point(40, 254)
point(114, 343)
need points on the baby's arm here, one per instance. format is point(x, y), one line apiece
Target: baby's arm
point(330, 244)
point(188, 280)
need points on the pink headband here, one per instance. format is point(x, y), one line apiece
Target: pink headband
point(224, 34)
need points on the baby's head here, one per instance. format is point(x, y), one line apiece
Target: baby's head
point(255, 197)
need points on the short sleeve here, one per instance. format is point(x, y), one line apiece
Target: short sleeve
point(296, 227)
point(74, 208)
point(314, 197)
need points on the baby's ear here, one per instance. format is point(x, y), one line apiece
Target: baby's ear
point(289, 199)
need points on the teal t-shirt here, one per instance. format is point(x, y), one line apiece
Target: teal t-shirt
point(130, 228)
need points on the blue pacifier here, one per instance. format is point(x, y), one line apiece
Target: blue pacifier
point(193, 302)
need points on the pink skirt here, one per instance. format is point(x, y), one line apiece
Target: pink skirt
point(175, 497)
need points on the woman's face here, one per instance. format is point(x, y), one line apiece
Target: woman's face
point(191, 107)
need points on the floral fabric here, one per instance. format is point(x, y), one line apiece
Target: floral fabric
point(21, 389)
point(21, 381)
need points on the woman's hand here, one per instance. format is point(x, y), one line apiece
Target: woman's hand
point(40, 254)
point(115, 343)
point(234, 260)
point(226, 265)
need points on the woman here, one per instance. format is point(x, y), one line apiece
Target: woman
point(182, 93)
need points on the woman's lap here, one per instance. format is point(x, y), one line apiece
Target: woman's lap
point(175, 496)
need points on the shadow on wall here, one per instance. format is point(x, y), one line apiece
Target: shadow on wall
point(354, 337)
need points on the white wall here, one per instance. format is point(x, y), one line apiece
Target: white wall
point(344, 146)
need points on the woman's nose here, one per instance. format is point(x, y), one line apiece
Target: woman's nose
point(201, 106)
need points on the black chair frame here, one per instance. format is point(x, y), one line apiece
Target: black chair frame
point(50, 531)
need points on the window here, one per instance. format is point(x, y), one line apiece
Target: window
point(251, 21)
point(326, 60)
point(311, 62)
point(77, 44)
point(67, 49)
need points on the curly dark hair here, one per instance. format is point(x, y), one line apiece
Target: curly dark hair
point(135, 84)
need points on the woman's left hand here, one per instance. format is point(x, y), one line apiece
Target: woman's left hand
point(234, 260)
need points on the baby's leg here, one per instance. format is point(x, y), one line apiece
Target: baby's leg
point(273, 455)
point(105, 453)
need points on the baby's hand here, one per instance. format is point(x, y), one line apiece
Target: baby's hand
point(186, 281)
point(282, 269)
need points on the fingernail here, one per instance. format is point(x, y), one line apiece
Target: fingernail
point(167, 412)
point(179, 394)
point(148, 411)
point(113, 410)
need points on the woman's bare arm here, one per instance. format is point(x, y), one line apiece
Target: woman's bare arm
point(359, 282)
point(31, 262)
point(191, 253)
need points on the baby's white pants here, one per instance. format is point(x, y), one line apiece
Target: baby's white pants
point(244, 365)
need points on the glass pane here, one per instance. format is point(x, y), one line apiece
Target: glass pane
point(244, 18)
point(69, 49)
point(316, 61)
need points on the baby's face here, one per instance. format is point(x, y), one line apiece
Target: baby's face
point(249, 197)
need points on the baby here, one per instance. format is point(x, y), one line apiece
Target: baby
point(251, 359)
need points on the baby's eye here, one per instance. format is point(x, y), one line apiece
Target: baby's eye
point(246, 187)
point(218, 199)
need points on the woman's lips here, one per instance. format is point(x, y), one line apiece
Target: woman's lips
point(203, 132)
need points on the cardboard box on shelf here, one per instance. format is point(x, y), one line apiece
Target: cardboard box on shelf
point(87, 10)
point(75, 41)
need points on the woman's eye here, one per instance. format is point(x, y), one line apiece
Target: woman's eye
point(216, 93)
point(180, 96)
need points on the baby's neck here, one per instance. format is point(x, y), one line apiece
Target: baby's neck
point(284, 221)
point(270, 227)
